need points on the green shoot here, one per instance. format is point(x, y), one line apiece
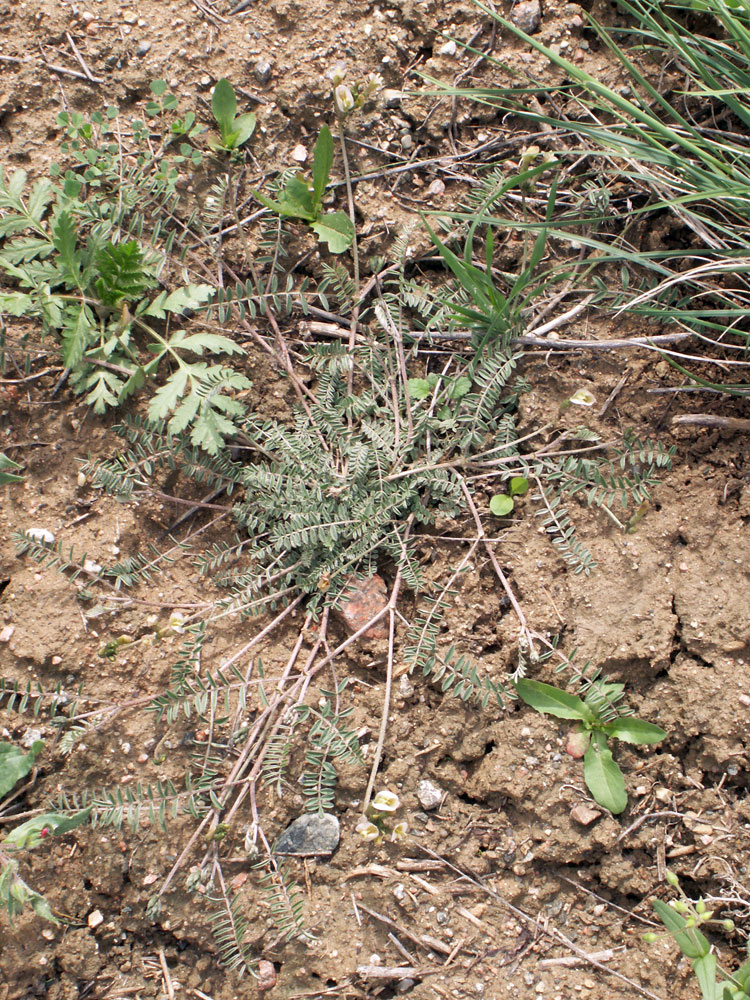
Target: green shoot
point(303, 199)
point(603, 776)
point(234, 129)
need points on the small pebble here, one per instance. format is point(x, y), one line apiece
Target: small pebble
point(429, 795)
point(392, 98)
point(30, 737)
point(583, 815)
point(407, 142)
point(143, 48)
point(404, 985)
point(6, 634)
point(527, 16)
point(744, 699)
point(262, 71)
point(299, 153)
point(95, 918)
point(129, 17)
point(436, 188)
point(266, 976)
point(40, 535)
point(449, 49)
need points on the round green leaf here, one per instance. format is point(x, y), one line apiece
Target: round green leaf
point(519, 486)
point(501, 505)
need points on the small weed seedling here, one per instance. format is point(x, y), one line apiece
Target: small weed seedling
point(15, 894)
point(502, 504)
point(301, 200)
point(603, 776)
point(234, 129)
point(682, 917)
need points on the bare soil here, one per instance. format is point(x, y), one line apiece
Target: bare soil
point(666, 611)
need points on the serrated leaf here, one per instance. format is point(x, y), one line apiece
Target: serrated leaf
point(41, 195)
point(322, 163)
point(184, 414)
point(16, 184)
point(168, 396)
point(122, 275)
point(501, 505)
point(634, 731)
point(64, 239)
point(603, 777)
point(552, 701)
point(209, 430)
point(460, 387)
point(188, 297)
point(16, 303)
point(213, 342)
point(335, 229)
point(76, 334)
point(419, 388)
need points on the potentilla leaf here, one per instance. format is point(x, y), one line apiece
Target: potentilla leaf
point(335, 229)
point(168, 396)
point(213, 342)
point(189, 297)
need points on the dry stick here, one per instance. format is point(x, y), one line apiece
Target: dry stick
point(540, 926)
point(710, 420)
point(81, 60)
point(168, 985)
point(391, 608)
point(355, 250)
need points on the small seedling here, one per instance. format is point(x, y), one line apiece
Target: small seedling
point(234, 129)
point(682, 917)
point(603, 777)
point(301, 199)
point(15, 894)
point(503, 503)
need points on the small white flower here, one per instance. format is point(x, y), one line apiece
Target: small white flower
point(582, 397)
point(367, 830)
point(399, 831)
point(386, 802)
point(343, 99)
point(177, 622)
point(372, 84)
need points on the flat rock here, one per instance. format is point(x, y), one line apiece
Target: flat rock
point(363, 600)
point(583, 815)
point(310, 835)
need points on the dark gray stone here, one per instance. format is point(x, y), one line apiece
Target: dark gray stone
point(143, 48)
point(310, 835)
